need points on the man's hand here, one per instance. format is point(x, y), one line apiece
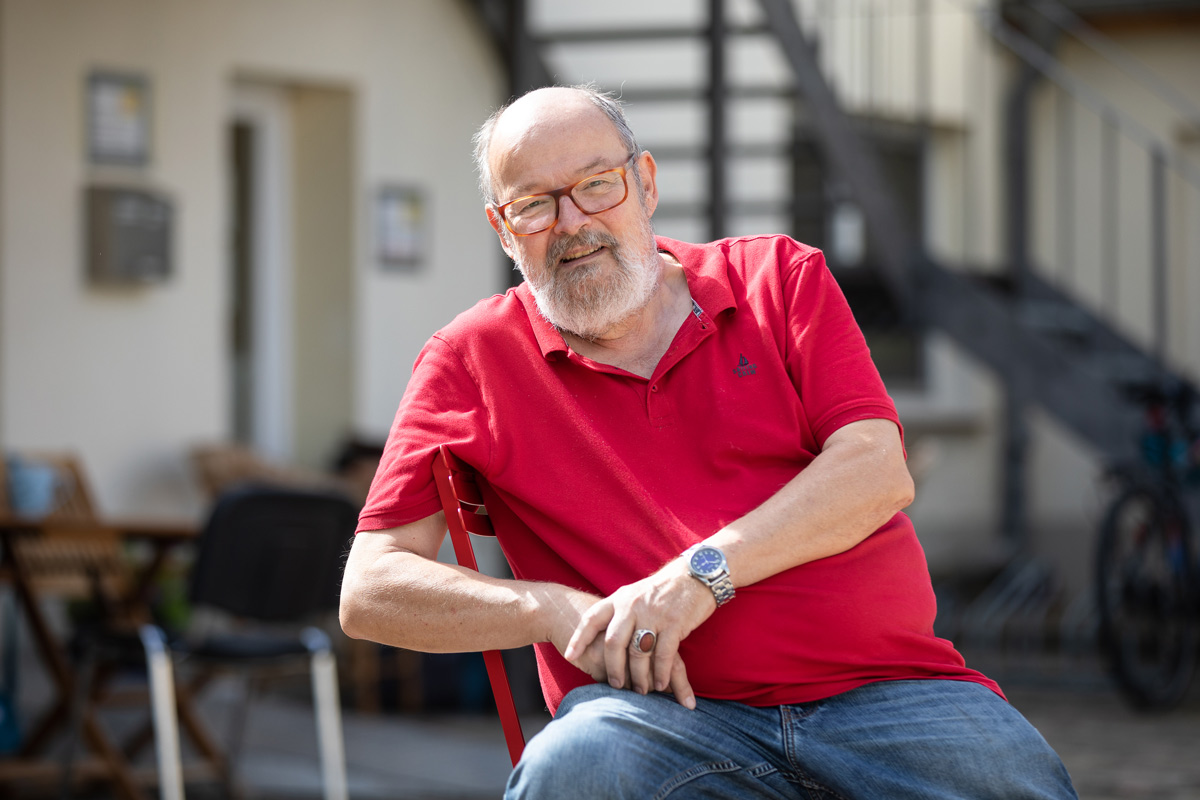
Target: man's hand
point(672, 604)
point(566, 608)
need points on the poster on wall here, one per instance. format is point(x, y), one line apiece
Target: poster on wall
point(401, 227)
point(118, 115)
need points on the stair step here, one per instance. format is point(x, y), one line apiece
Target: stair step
point(669, 94)
point(665, 151)
point(1125, 369)
point(682, 210)
point(643, 33)
point(1050, 316)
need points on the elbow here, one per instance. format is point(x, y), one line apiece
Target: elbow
point(905, 490)
point(348, 618)
point(351, 615)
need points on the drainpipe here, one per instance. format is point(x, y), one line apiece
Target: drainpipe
point(1014, 522)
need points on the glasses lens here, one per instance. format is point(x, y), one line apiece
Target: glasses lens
point(531, 214)
point(599, 192)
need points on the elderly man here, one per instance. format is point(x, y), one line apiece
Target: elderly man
point(711, 559)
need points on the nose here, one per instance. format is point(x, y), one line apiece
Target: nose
point(570, 218)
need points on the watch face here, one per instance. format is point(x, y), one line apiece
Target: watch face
point(707, 561)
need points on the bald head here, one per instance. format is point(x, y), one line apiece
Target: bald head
point(545, 112)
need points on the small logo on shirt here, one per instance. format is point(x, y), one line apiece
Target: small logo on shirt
point(744, 367)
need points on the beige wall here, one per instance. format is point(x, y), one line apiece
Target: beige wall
point(1067, 488)
point(132, 377)
point(1170, 51)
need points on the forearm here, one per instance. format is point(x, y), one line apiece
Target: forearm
point(393, 595)
point(857, 483)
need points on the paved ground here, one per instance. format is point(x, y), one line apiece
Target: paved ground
point(1111, 751)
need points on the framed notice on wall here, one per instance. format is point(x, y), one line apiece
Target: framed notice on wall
point(118, 118)
point(401, 227)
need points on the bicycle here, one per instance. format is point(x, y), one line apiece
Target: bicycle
point(1147, 590)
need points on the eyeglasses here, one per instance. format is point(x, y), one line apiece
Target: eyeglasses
point(535, 213)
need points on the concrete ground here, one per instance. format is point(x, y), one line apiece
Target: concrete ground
point(1111, 751)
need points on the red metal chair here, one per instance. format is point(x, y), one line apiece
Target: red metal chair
point(459, 489)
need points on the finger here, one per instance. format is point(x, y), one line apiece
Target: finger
point(616, 649)
point(640, 665)
point(592, 661)
point(666, 653)
point(591, 624)
point(680, 687)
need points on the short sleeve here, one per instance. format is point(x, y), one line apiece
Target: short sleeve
point(827, 355)
point(441, 405)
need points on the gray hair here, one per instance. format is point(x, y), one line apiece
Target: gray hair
point(605, 101)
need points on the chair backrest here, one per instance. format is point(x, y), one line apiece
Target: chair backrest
point(273, 554)
point(462, 500)
point(73, 555)
point(460, 489)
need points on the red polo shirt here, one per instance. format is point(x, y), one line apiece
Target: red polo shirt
point(609, 475)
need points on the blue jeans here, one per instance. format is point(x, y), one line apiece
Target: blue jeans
point(898, 739)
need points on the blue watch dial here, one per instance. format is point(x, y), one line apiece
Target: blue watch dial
point(707, 560)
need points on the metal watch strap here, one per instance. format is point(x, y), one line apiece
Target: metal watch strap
point(722, 588)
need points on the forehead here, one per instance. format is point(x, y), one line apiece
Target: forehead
point(542, 147)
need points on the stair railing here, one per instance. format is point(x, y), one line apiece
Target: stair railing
point(1110, 232)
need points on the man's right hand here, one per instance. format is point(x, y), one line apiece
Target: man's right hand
point(565, 607)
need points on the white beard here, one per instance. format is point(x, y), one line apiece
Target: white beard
point(584, 300)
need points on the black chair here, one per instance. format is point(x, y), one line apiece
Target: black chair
point(272, 558)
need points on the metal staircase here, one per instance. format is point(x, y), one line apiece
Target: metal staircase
point(735, 107)
point(730, 95)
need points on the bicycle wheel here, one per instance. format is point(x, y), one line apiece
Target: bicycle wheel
point(1146, 594)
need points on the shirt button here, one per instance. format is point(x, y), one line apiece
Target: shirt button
point(654, 388)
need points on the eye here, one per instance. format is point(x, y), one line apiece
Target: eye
point(599, 183)
point(531, 206)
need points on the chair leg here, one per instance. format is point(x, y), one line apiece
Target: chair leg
point(81, 694)
point(162, 704)
point(237, 731)
point(328, 714)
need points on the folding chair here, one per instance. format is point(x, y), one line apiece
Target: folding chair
point(459, 489)
point(74, 557)
point(271, 558)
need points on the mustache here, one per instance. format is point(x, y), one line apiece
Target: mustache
point(585, 238)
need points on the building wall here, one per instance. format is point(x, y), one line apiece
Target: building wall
point(131, 378)
point(1105, 257)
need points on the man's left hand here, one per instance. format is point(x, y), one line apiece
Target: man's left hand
point(671, 604)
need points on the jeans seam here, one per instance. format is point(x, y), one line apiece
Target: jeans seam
point(801, 777)
point(700, 770)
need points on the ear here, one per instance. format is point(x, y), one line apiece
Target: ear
point(648, 169)
point(498, 226)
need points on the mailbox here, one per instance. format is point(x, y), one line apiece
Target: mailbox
point(129, 235)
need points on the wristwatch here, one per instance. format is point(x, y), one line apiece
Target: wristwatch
point(707, 565)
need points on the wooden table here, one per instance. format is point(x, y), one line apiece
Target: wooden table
point(162, 536)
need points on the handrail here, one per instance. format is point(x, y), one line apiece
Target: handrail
point(1074, 25)
point(1041, 60)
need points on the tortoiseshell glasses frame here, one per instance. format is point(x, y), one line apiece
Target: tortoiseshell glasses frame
point(595, 194)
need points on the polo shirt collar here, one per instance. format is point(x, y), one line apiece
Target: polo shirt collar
point(707, 271)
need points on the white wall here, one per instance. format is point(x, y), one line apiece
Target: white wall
point(131, 378)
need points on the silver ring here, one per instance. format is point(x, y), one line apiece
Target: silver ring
point(639, 643)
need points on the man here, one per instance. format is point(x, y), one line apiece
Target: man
point(708, 476)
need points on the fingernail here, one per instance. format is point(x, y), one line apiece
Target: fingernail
point(613, 682)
